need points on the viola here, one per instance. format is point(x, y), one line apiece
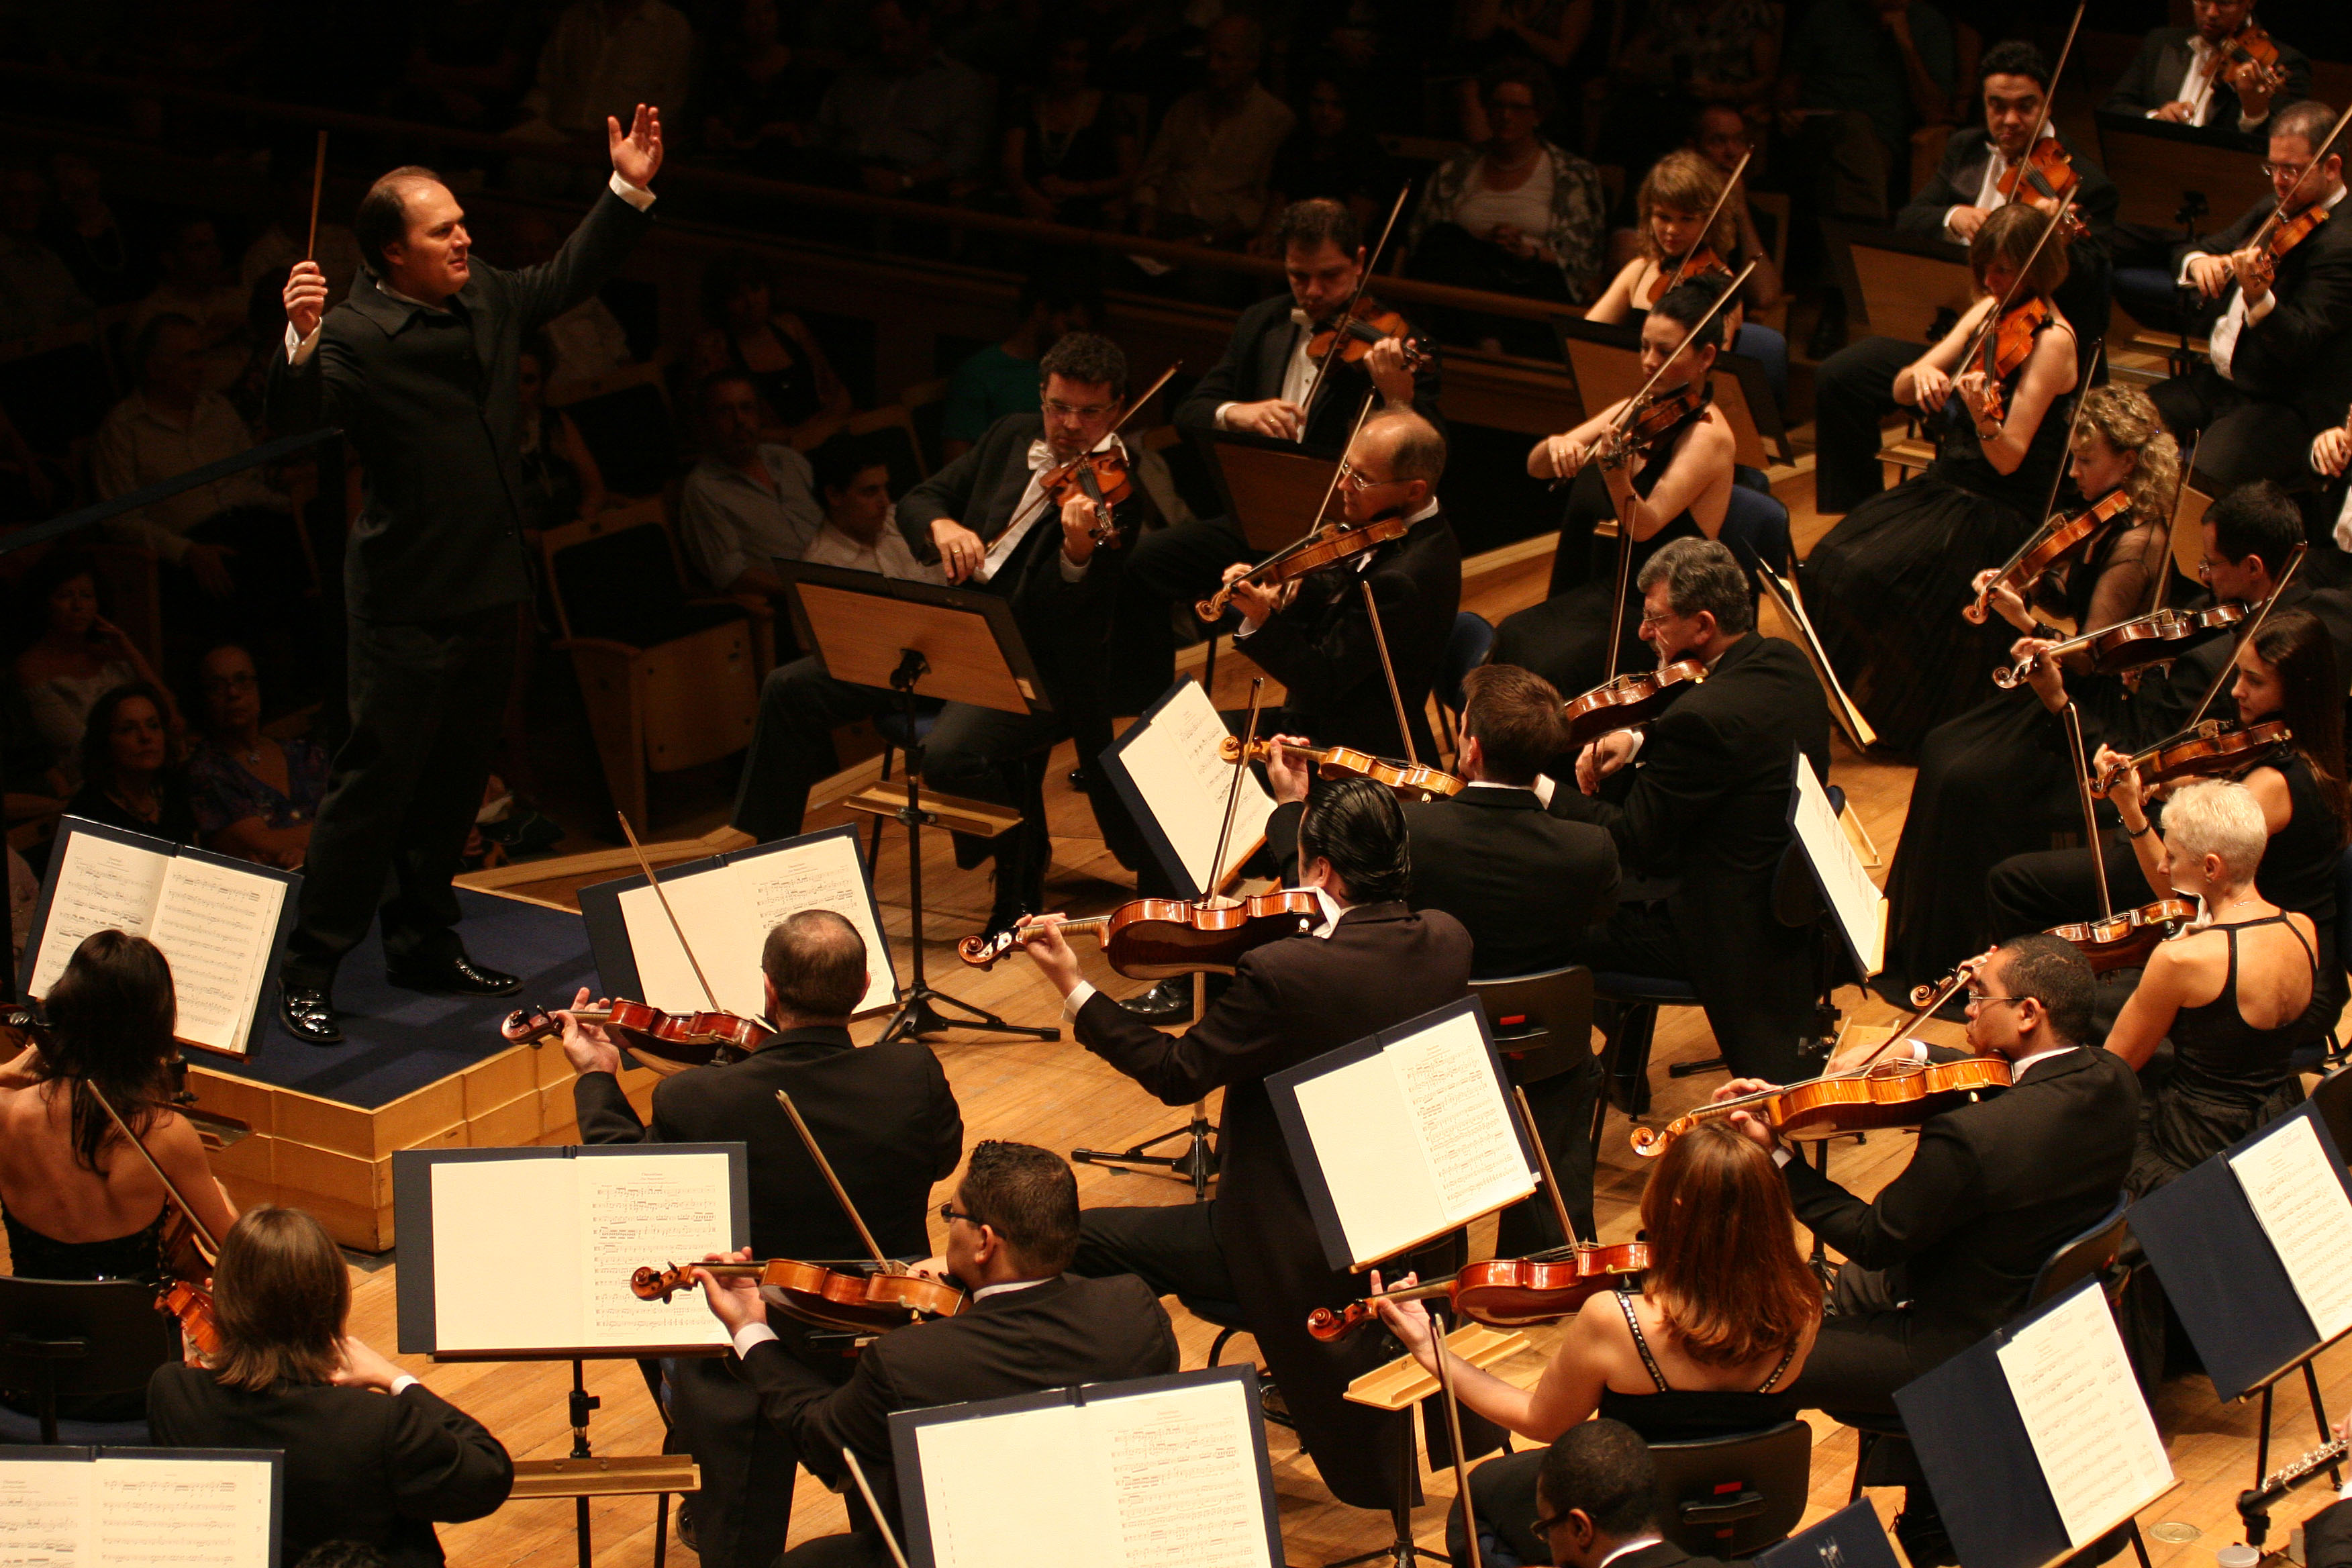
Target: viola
point(1310, 554)
point(1508, 1292)
point(2215, 746)
point(673, 1040)
point(1884, 1094)
point(1153, 938)
point(1702, 262)
point(2144, 639)
point(2038, 554)
point(2006, 348)
point(1627, 700)
point(2125, 938)
point(1414, 781)
point(1366, 323)
point(840, 1299)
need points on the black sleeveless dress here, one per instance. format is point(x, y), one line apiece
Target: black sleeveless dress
point(1887, 586)
point(1565, 640)
point(1670, 1415)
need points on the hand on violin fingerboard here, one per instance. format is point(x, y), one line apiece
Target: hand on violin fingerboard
point(2211, 274)
point(1259, 604)
point(2331, 451)
point(1408, 1320)
point(587, 1047)
point(1079, 515)
point(1041, 939)
point(734, 1301)
point(1385, 362)
point(1755, 1127)
point(1288, 777)
point(2254, 271)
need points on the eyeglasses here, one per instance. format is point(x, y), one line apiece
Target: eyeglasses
point(950, 1214)
point(1976, 1000)
point(1649, 622)
point(1356, 479)
point(1544, 1523)
point(2291, 171)
point(1091, 411)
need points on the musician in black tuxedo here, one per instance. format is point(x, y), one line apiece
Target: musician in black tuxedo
point(888, 1125)
point(1314, 634)
point(1372, 964)
point(1028, 1326)
point(418, 366)
point(1703, 795)
point(2279, 367)
point(2174, 79)
point(1597, 1485)
point(2328, 1537)
point(1855, 386)
point(1261, 386)
point(1949, 1250)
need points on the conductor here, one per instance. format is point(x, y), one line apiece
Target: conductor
point(418, 366)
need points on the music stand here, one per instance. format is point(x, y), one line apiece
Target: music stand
point(918, 639)
point(1273, 490)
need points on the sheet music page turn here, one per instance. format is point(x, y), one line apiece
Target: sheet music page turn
point(715, 911)
point(1852, 895)
point(506, 1255)
point(1360, 1124)
point(2097, 1444)
point(2293, 1192)
point(100, 885)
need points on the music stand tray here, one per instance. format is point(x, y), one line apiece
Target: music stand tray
point(1273, 490)
point(918, 639)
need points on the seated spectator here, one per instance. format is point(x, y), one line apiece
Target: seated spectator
point(128, 778)
point(1206, 175)
point(755, 98)
point(1557, 34)
point(371, 1455)
point(604, 57)
point(799, 394)
point(585, 341)
point(76, 655)
point(466, 62)
point(1060, 295)
point(749, 501)
point(111, 264)
point(37, 290)
point(1683, 54)
point(1720, 136)
point(854, 480)
point(253, 797)
point(1329, 153)
point(560, 481)
point(904, 120)
point(196, 283)
point(282, 243)
point(1070, 151)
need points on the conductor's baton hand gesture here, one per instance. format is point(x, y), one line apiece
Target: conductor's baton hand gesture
point(306, 298)
point(636, 155)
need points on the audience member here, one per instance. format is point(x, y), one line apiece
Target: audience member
point(1070, 149)
point(1859, 77)
point(1330, 155)
point(1206, 174)
point(1681, 54)
point(76, 655)
point(464, 66)
point(585, 341)
point(755, 101)
point(110, 262)
point(358, 1468)
point(1062, 294)
point(196, 284)
point(904, 120)
point(253, 796)
point(604, 57)
point(128, 778)
point(560, 481)
point(1719, 136)
point(749, 501)
point(853, 477)
point(799, 394)
point(1557, 34)
point(37, 290)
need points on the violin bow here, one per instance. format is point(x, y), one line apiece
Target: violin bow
point(1682, 268)
point(652, 881)
point(2317, 158)
point(211, 1242)
point(2179, 499)
point(2080, 757)
point(889, 1537)
point(2049, 96)
point(1454, 1434)
point(1730, 292)
point(840, 1192)
point(2221, 676)
point(1233, 796)
point(318, 188)
point(2048, 507)
point(1381, 642)
point(1363, 281)
point(1543, 1162)
point(1315, 528)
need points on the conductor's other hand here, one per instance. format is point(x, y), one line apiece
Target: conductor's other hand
point(960, 552)
point(734, 1301)
point(1274, 417)
point(306, 298)
point(636, 154)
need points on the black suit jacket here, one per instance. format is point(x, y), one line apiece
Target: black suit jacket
point(2301, 353)
point(1056, 1334)
point(2153, 80)
point(2133, 718)
point(2084, 297)
point(1992, 1191)
point(1290, 1001)
point(884, 1115)
point(2327, 1538)
point(360, 1465)
point(1251, 372)
point(428, 403)
point(1664, 1554)
point(1322, 651)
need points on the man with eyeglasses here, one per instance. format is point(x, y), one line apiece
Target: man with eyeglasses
point(2279, 369)
point(1949, 1250)
point(1589, 1501)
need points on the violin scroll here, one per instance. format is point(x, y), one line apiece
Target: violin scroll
point(660, 1284)
point(1328, 1326)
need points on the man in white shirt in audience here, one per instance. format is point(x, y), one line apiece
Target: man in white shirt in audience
point(748, 501)
point(854, 481)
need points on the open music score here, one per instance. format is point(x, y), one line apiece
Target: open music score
point(1170, 773)
point(2074, 1389)
point(219, 921)
point(2298, 1197)
point(139, 1507)
point(1853, 899)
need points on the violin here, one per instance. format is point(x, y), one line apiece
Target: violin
point(2129, 645)
point(845, 1299)
point(2045, 179)
point(1507, 1294)
point(1102, 478)
point(1310, 554)
point(2125, 938)
point(2215, 746)
point(1414, 781)
point(2007, 347)
point(1651, 416)
point(1627, 700)
point(1702, 262)
point(2291, 232)
point(664, 1041)
point(1365, 323)
point(1884, 1094)
point(2038, 554)
point(2250, 58)
point(187, 1250)
point(1153, 938)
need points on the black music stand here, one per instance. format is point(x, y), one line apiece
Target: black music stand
point(918, 639)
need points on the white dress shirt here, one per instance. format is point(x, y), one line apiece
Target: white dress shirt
point(2223, 343)
point(1297, 372)
point(2196, 88)
point(1988, 196)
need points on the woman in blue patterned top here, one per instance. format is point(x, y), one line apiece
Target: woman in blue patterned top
point(254, 797)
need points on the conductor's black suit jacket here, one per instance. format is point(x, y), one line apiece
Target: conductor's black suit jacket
point(1258, 352)
point(1291, 1001)
point(2301, 352)
point(428, 401)
point(2153, 80)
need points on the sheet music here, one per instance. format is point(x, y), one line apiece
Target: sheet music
point(100, 885)
point(717, 920)
point(506, 1255)
point(216, 924)
point(823, 875)
point(1853, 897)
point(182, 1513)
point(1173, 762)
point(45, 1512)
point(649, 1211)
point(2294, 1190)
point(1461, 1119)
point(1358, 1120)
point(998, 1492)
point(1181, 1468)
point(2091, 1431)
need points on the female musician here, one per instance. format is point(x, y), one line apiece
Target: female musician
point(359, 1465)
point(2233, 992)
point(1996, 781)
point(1887, 585)
point(1724, 1321)
point(1674, 201)
point(1679, 487)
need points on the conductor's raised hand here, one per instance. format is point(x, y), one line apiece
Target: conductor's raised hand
point(638, 152)
point(734, 1301)
point(305, 297)
point(1041, 938)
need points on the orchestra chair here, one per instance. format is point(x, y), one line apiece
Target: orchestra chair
point(892, 432)
point(926, 404)
point(669, 681)
point(64, 1339)
point(2332, 1096)
point(1466, 647)
point(1755, 530)
point(1731, 1497)
point(625, 421)
point(2324, 1056)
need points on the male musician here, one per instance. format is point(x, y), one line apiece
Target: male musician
point(1855, 385)
point(1371, 964)
point(1524, 884)
point(1030, 1325)
point(1597, 1486)
point(1948, 1251)
point(2329, 509)
point(1709, 802)
point(2280, 361)
point(2181, 76)
point(888, 1124)
point(1314, 635)
point(418, 366)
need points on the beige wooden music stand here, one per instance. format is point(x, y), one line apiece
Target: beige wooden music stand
point(1905, 291)
point(1274, 490)
point(2159, 168)
point(1606, 374)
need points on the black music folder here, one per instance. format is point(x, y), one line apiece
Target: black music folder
point(1850, 1538)
point(1173, 781)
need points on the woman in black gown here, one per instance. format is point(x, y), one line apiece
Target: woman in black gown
point(1887, 586)
point(1996, 781)
point(1678, 487)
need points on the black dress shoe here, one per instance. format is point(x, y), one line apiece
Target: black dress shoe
point(308, 1013)
point(456, 976)
point(1170, 1002)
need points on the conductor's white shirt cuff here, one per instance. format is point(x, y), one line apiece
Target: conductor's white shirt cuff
point(1078, 998)
point(300, 350)
point(751, 1334)
point(636, 196)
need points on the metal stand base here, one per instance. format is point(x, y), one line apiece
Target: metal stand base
point(1401, 1552)
point(1197, 1164)
point(918, 1015)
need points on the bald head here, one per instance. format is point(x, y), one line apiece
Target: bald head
point(816, 965)
point(1394, 463)
point(413, 233)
